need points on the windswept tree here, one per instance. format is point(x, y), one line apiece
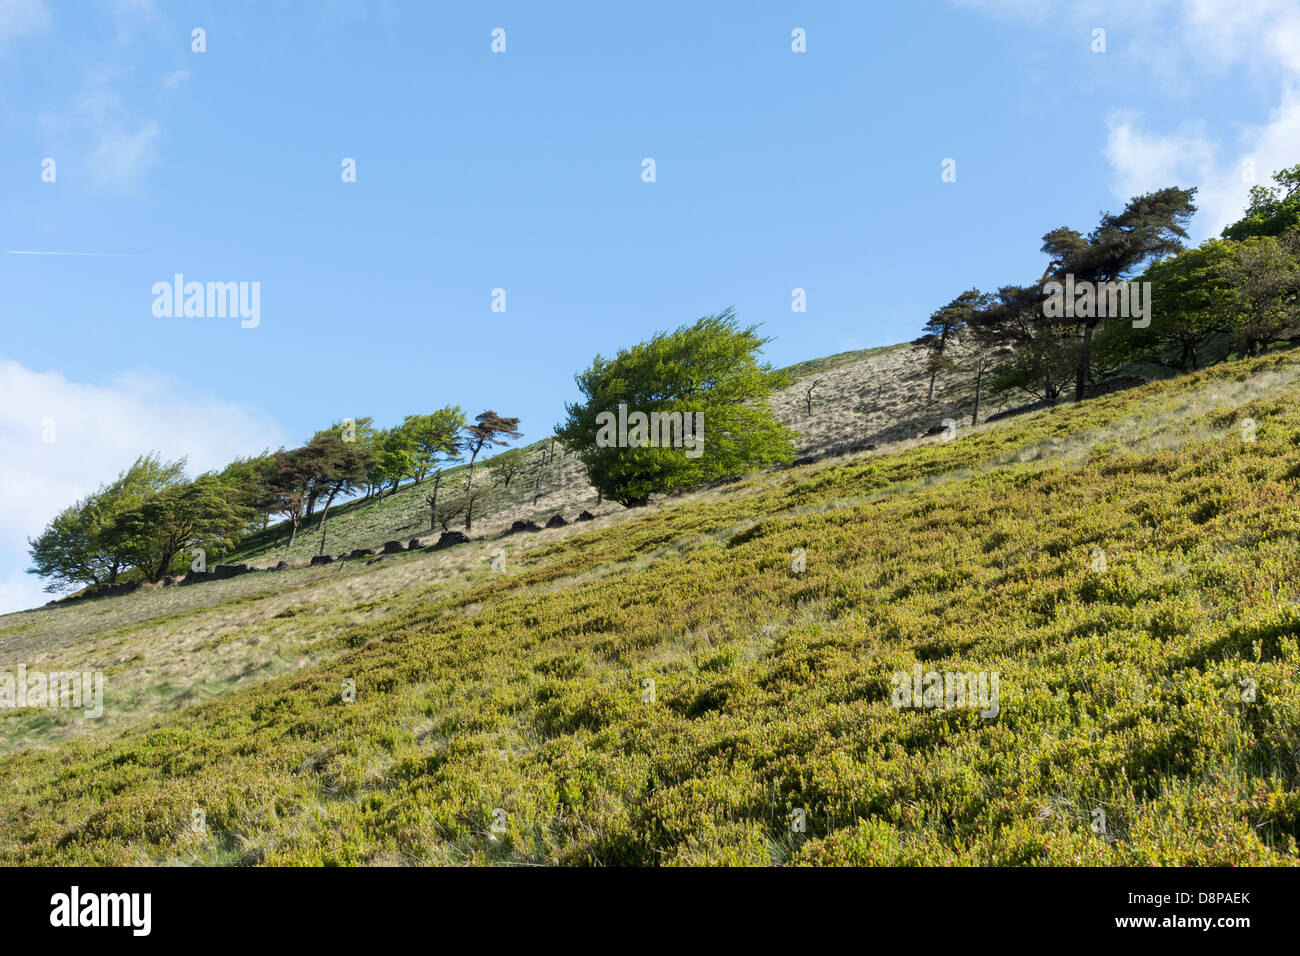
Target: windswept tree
point(203, 513)
point(248, 477)
point(287, 488)
point(682, 409)
point(943, 330)
point(1040, 354)
point(74, 550)
point(70, 552)
point(337, 467)
point(489, 430)
point(433, 439)
point(1149, 227)
point(432, 442)
point(980, 345)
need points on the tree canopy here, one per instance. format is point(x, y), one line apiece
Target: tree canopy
point(705, 389)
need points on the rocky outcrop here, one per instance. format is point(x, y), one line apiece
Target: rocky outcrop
point(448, 538)
point(320, 559)
point(557, 521)
point(360, 553)
point(394, 547)
point(519, 526)
point(586, 516)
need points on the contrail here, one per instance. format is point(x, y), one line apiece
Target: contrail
point(28, 252)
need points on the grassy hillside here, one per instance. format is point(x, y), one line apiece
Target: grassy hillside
point(1123, 687)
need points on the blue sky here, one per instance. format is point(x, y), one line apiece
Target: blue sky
point(522, 170)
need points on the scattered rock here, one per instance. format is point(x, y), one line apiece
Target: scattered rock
point(394, 547)
point(524, 526)
point(448, 538)
point(586, 516)
point(415, 543)
point(282, 566)
point(222, 571)
point(557, 521)
point(361, 553)
point(322, 559)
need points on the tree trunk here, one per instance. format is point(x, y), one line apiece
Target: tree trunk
point(469, 513)
point(433, 502)
point(1085, 364)
point(293, 532)
point(469, 483)
point(979, 380)
point(324, 515)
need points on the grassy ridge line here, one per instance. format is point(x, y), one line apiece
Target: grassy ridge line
point(529, 699)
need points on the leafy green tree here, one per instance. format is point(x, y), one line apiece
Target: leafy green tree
point(395, 459)
point(425, 443)
point(709, 369)
point(433, 439)
point(1192, 302)
point(203, 513)
point(506, 466)
point(1272, 210)
point(69, 551)
point(1263, 275)
point(248, 476)
point(73, 549)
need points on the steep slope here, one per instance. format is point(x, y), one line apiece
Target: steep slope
point(1157, 685)
point(875, 396)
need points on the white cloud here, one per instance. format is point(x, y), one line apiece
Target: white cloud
point(1144, 160)
point(20, 18)
point(1173, 38)
point(121, 154)
point(123, 147)
point(98, 431)
point(175, 78)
